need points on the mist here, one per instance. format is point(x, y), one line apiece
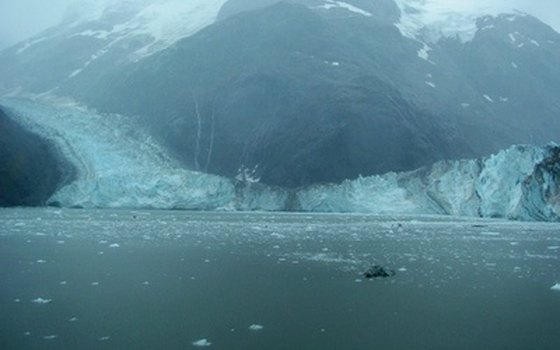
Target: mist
point(25, 18)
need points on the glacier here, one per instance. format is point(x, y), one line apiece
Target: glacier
point(120, 166)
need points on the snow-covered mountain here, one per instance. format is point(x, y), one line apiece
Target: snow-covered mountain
point(295, 94)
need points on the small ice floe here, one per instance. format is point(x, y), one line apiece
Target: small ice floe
point(19, 224)
point(358, 280)
point(41, 261)
point(487, 233)
point(553, 247)
point(17, 300)
point(27, 334)
point(114, 245)
point(201, 342)
point(402, 269)
point(256, 327)
point(60, 242)
point(94, 283)
point(103, 242)
point(556, 287)
point(73, 319)
point(50, 337)
point(40, 300)
point(105, 338)
point(146, 283)
point(63, 283)
point(40, 234)
point(513, 243)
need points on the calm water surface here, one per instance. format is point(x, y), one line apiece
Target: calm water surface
point(80, 279)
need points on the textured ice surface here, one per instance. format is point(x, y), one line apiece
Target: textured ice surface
point(120, 166)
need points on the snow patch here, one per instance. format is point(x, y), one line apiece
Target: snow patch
point(331, 4)
point(431, 20)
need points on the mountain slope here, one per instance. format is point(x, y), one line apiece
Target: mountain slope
point(306, 91)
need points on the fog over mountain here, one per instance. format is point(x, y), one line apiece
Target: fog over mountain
point(22, 19)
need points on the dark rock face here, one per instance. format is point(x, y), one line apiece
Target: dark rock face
point(30, 170)
point(285, 91)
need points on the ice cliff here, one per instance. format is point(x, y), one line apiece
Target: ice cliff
point(120, 166)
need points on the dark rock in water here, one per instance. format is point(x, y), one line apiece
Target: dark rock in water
point(378, 271)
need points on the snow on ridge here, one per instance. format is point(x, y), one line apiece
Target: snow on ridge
point(431, 20)
point(330, 4)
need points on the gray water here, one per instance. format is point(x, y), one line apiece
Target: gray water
point(165, 280)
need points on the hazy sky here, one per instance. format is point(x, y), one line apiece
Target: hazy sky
point(21, 19)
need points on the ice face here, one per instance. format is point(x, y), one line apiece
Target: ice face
point(121, 166)
point(118, 165)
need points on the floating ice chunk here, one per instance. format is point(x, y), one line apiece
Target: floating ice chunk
point(487, 233)
point(17, 300)
point(536, 43)
point(105, 338)
point(41, 261)
point(256, 327)
point(27, 334)
point(146, 283)
point(73, 319)
point(556, 287)
point(514, 65)
point(429, 83)
point(50, 337)
point(402, 269)
point(553, 247)
point(488, 98)
point(114, 245)
point(465, 105)
point(201, 342)
point(40, 300)
point(358, 280)
point(94, 283)
point(504, 99)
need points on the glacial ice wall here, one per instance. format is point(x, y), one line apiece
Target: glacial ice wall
point(121, 166)
point(520, 183)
